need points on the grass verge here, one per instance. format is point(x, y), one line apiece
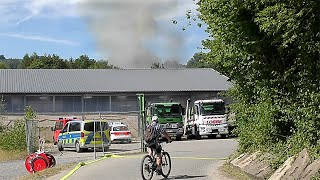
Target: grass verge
point(48, 172)
point(234, 173)
point(12, 155)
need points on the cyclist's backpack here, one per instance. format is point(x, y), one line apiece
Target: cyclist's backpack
point(149, 135)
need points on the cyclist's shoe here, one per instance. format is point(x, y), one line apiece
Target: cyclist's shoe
point(146, 168)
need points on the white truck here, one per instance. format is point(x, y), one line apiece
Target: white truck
point(206, 118)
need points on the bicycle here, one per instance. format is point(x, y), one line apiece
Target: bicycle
point(149, 164)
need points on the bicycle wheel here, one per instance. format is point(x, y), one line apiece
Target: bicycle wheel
point(166, 164)
point(146, 167)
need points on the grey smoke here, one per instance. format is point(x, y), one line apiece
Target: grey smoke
point(125, 30)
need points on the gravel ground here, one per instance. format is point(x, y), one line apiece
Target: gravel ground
point(15, 169)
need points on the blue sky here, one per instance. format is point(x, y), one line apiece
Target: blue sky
point(61, 27)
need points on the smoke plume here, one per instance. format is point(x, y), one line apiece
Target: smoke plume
point(128, 32)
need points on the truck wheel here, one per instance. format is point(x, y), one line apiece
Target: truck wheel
point(223, 136)
point(178, 138)
point(60, 148)
point(105, 149)
point(78, 149)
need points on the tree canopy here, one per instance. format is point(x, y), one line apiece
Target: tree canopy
point(271, 52)
point(54, 61)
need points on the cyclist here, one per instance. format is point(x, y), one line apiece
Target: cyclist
point(159, 132)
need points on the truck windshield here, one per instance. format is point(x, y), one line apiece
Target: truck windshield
point(59, 125)
point(212, 108)
point(168, 111)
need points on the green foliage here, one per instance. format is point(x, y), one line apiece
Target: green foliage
point(11, 63)
point(4, 65)
point(14, 137)
point(30, 114)
point(197, 61)
point(55, 62)
point(271, 52)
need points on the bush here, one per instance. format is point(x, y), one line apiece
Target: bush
point(14, 138)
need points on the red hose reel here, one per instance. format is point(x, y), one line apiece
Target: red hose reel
point(39, 160)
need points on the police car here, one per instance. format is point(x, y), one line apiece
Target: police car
point(120, 132)
point(85, 134)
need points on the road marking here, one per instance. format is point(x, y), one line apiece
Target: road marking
point(194, 158)
point(118, 156)
point(199, 158)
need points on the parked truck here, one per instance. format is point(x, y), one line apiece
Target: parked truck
point(170, 117)
point(206, 118)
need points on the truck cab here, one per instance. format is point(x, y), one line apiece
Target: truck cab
point(206, 118)
point(170, 117)
point(59, 124)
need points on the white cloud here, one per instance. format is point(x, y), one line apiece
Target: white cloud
point(40, 38)
point(18, 11)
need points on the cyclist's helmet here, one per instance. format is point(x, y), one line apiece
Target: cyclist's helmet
point(155, 119)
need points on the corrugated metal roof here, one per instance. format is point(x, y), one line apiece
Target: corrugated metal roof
point(110, 80)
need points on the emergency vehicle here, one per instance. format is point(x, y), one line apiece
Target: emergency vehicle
point(120, 132)
point(60, 123)
point(85, 134)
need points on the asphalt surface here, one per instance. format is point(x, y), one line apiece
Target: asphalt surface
point(14, 169)
point(194, 159)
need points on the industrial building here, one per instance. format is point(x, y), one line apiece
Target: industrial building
point(74, 91)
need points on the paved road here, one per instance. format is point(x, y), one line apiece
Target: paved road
point(14, 169)
point(186, 162)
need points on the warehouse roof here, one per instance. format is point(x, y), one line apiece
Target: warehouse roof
point(110, 80)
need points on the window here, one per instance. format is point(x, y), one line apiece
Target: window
point(68, 104)
point(40, 103)
point(59, 125)
point(89, 126)
point(212, 108)
point(120, 128)
point(65, 128)
point(173, 111)
point(75, 126)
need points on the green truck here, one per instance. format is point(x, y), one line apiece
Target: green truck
point(170, 115)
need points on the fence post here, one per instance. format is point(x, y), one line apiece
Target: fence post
point(142, 121)
point(27, 136)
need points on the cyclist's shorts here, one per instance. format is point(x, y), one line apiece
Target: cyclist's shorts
point(157, 147)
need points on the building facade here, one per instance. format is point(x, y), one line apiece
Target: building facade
point(65, 91)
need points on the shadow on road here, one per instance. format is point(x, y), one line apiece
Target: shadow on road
point(184, 177)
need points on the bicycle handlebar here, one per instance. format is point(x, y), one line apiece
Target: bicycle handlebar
point(162, 140)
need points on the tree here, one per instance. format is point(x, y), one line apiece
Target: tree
point(27, 60)
point(4, 65)
point(83, 62)
point(102, 64)
point(271, 52)
point(2, 57)
point(197, 61)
